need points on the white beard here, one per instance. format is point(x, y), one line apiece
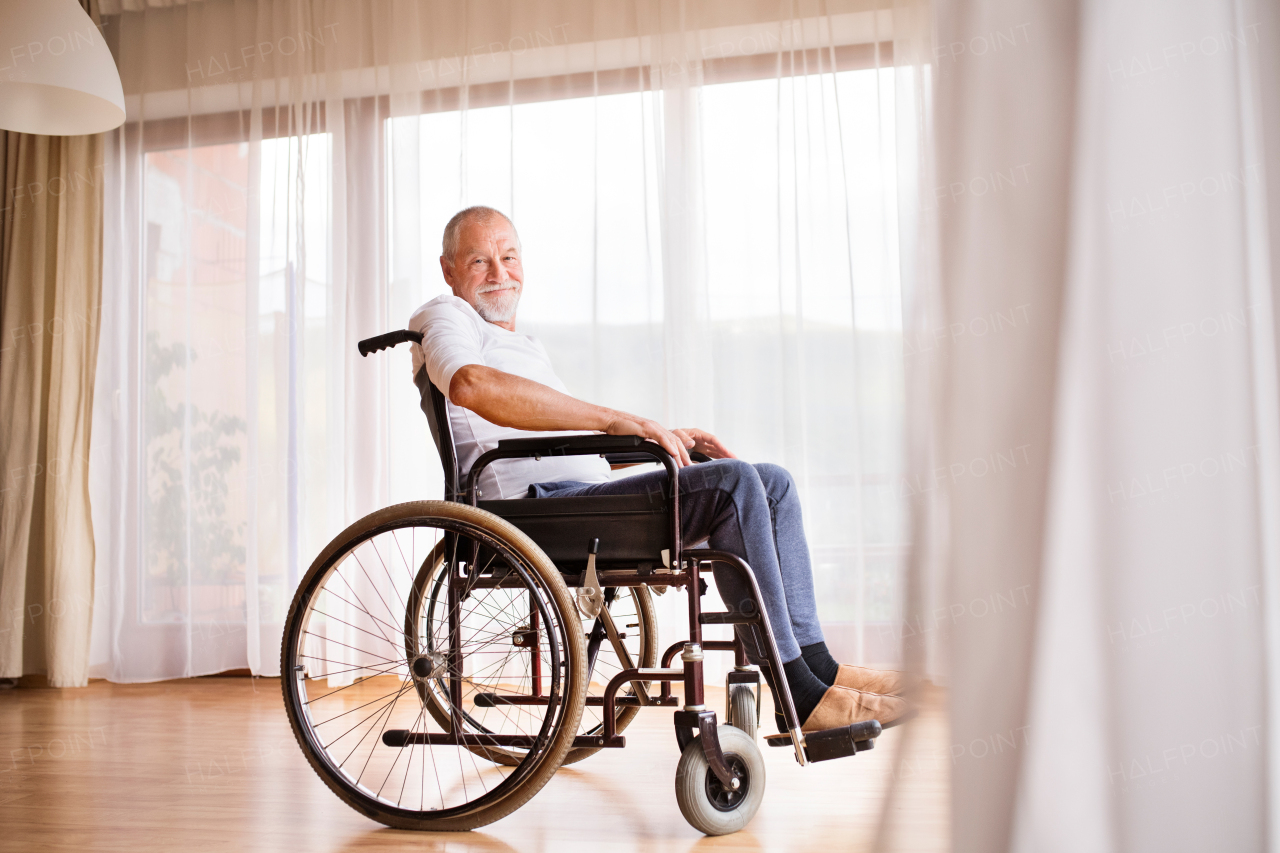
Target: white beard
point(498, 306)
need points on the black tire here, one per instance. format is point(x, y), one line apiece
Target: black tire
point(742, 709)
point(348, 677)
point(709, 807)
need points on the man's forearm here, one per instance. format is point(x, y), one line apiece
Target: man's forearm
point(512, 401)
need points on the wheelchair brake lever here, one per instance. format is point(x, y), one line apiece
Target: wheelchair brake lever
point(591, 596)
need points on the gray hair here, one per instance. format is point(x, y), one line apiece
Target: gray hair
point(478, 212)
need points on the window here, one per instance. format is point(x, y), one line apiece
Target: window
point(237, 291)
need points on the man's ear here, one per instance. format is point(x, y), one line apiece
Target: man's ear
point(447, 268)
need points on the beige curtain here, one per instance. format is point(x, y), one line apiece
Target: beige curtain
point(1106, 424)
point(50, 289)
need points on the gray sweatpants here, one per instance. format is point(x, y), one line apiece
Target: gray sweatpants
point(749, 510)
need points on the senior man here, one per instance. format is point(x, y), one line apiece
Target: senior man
point(500, 383)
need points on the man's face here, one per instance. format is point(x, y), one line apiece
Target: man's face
point(486, 270)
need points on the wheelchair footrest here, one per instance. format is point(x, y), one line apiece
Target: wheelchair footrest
point(834, 743)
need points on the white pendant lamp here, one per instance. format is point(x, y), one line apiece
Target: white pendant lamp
point(57, 76)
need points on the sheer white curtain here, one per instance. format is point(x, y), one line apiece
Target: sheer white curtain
point(1109, 445)
point(706, 194)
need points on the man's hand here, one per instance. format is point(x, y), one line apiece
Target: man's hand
point(703, 442)
point(625, 424)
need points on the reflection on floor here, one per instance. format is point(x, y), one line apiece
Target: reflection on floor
point(211, 764)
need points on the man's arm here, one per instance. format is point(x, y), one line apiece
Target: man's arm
point(513, 401)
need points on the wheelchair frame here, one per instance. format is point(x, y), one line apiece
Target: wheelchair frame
point(680, 568)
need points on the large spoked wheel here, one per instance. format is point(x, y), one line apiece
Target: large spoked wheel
point(355, 677)
point(626, 638)
point(705, 802)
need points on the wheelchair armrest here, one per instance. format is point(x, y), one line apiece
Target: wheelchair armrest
point(645, 458)
point(616, 449)
point(571, 445)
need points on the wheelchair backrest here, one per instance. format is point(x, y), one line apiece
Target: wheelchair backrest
point(436, 408)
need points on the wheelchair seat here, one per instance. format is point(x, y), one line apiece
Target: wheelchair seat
point(634, 531)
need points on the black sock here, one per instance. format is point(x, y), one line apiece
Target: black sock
point(820, 661)
point(806, 688)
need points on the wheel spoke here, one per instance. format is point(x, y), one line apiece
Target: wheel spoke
point(348, 624)
point(356, 557)
point(393, 628)
point(356, 596)
point(353, 648)
point(352, 711)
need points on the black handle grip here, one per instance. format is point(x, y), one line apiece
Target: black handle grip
point(594, 547)
point(390, 339)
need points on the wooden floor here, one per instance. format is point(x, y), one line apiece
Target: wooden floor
point(210, 764)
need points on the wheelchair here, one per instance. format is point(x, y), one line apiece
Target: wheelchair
point(442, 659)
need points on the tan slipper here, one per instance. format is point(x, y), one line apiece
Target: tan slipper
point(886, 682)
point(842, 706)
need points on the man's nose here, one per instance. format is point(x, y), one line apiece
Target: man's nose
point(499, 273)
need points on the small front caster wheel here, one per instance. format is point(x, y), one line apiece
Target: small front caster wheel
point(742, 709)
point(710, 806)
